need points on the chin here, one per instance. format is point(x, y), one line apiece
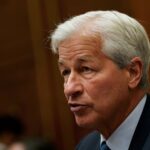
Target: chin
point(84, 123)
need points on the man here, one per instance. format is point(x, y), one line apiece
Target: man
point(104, 59)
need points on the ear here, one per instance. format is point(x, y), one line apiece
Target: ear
point(135, 71)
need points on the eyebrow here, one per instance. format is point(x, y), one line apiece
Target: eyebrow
point(86, 58)
point(60, 62)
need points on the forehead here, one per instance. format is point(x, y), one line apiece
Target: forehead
point(79, 46)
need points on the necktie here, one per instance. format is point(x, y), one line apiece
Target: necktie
point(104, 146)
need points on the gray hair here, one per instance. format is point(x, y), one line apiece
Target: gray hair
point(122, 37)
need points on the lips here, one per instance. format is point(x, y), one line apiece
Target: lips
point(77, 107)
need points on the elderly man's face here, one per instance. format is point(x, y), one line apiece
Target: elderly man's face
point(95, 87)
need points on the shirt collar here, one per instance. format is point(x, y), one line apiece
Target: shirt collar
point(121, 137)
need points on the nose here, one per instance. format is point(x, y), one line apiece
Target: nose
point(73, 87)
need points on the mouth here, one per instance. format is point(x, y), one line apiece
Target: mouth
point(77, 107)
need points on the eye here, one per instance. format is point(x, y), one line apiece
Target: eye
point(65, 72)
point(86, 69)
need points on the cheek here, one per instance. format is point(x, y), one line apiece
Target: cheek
point(98, 88)
point(106, 87)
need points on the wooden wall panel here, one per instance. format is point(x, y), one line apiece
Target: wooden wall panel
point(141, 11)
point(56, 121)
point(17, 82)
point(70, 8)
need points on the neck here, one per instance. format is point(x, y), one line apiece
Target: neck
point(134, 99)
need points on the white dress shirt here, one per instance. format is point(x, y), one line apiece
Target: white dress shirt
point(120, 139)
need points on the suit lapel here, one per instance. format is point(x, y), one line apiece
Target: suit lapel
point(143, 128)
point(97, 146)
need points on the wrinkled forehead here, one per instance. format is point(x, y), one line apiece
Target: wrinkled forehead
point(80, 38)
point(79, 44)
point(80, 49)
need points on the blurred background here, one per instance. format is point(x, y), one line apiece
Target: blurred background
point(30, 85)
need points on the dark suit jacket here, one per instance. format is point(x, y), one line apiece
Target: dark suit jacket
point(140, 140)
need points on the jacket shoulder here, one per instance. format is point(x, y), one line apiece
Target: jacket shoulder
point(90, 142)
